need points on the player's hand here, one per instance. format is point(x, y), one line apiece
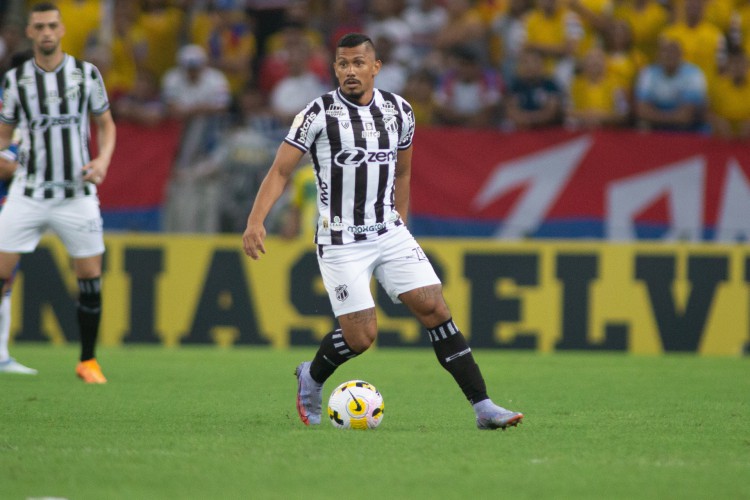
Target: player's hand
point(252, 240)
point(95, 171)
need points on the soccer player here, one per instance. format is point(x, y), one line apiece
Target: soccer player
point(8, 166)
point(49, 98)
point(360, 139)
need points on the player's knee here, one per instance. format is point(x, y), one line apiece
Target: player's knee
point(362, 342)
point(360, 329)
point(427, 304)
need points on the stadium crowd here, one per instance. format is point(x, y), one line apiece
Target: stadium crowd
point(241, 69)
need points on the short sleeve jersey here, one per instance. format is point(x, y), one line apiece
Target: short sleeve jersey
point(51, 108)
point(669, 92)
point(354, 151)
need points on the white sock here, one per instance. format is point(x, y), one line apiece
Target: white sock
point(4, 327)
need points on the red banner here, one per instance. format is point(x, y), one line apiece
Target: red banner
point(611, 184)
point(555, 183)
point(140, 166)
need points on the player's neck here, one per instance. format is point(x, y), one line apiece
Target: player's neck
point(362, 100)
point(49, 62)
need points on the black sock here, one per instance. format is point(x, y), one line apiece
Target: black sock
point(332, 353)
point(89, 313)
point(454, 354)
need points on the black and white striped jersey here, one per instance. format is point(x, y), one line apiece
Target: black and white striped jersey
point(354, 150)
point(52, 108)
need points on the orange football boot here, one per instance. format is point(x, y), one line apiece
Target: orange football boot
point(90, 372)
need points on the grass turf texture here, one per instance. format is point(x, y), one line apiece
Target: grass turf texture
point(205, 422)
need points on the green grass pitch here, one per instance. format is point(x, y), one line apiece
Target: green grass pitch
point(206, 422)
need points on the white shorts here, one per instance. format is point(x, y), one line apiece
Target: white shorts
point(396, 260)
point(77, 221)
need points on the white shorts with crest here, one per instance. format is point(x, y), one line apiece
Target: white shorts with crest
point(77, 221)
point(395, 259)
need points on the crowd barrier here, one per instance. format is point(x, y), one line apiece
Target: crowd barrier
point(546, 296)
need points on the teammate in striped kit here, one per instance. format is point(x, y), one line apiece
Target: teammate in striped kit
point(360, 139)
point(8, 164)
point(49, 99)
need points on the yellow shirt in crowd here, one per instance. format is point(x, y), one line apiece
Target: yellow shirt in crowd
point(702, 45)
point(605, 95)
point(729, 101)
point(645, 24)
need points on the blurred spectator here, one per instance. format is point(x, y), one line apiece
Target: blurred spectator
point(420, 92)
point(702, 43)
point(12, 41)
point(275, 64)
point(469, 93)
point(646, 19)
point(554, 31)
point(199, 21)
point(534, 99)
point(297, 17)
point(671, 93)
point(385, 22)
point(344, 16)
point(88, 16)
point(301, 215)
point(729, 100)
point(739, 30)
point(256, 115)
point(230, 43)
point(393, 74)
point(298, 88)
point(197, 95)
point(489, 9)
point(717, 12)
point(162, 26)
point(129, 47)
point(143, 104)
point(624, 60)
point(425, 18)
point(223, 183)
point(464, 26)
point(597, 98)
point(508, 37)
point(595, 17)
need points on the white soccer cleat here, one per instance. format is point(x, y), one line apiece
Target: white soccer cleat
point(491, 417)
point(12, 366)
point(309, 395)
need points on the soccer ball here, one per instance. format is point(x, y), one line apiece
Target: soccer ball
point(355, 404)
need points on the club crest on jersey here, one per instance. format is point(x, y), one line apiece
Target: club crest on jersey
point(388, 108)
point(391, 124)
point(369, 132)
point(336, 110)
point(73, 92)
point(342, 293)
